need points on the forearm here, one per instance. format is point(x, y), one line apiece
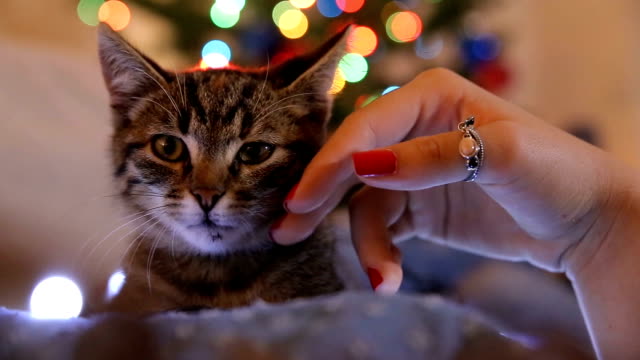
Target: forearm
point(607, 280)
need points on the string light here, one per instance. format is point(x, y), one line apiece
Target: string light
point(338, 82)
point(350, 6)
point(329, 8)
point(354, 67)
point(293, 24)
point(429, 50)
point(302, 4)
point(279, 10)
point(363, 41)
point(56, 297)
point(115, 283)
point(115, 13)
point(404, 26)
point(88, 11)
point(216, 54)
point(390, 89)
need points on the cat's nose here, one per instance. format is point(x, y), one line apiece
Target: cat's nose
point(207, 198)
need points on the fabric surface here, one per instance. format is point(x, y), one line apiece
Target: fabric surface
point(344, 326)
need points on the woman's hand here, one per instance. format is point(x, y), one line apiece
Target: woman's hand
point(539, 195)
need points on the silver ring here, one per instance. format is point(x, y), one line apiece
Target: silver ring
point(471, 148)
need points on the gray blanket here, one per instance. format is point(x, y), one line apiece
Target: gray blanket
point(344, 326)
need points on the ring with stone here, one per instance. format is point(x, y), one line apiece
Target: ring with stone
point(471, 148)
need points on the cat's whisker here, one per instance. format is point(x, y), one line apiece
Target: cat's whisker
point(154, 247)
point(171, 116)
point(264, 83)
point(182, 97)
point(138, 242)
point(115, 243)
point(271, 112)
point(175, 105)
point(173, 252)
point(270, 106)
point(146, 213)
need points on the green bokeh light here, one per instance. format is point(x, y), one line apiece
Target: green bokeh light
point(354, 67)
point(88, 11)
point(223, 19)
point(280, 9)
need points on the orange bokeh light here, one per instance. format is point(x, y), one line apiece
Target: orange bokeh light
point(115, 13)
point(350, 6)
point(363, 41)
point(404, 26)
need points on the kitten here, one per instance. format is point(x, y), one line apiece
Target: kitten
point(208, 157)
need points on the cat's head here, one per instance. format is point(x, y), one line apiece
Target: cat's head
point(208, 156)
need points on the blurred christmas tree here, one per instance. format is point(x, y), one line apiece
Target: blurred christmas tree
point(394, 40)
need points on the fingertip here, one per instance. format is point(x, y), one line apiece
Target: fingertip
point(385, 278)
point(280, 237)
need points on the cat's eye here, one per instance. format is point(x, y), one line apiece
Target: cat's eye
point(255, 152)
point(168, 148)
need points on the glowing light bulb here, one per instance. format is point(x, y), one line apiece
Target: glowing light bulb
point(354, 67)
point(350, 6)
point(293, 24)
point(404, 26)
point(279, 10)
point(56, 297)
point(363, 41)
point(302, 4)
point(88, 11)
point(329, 8)
point(216, 54)
point(223, 19)
point(116, 14)
point(116, 281)
point(390, 89)
point(338, 82)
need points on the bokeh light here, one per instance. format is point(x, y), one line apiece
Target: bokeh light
point(350, 6)
point(369, 100)
point(88, 11)
point(390, 89)
point(363, 41)
point(223, 19)
point(279, 10)
point(338, 82)
point(429, 49)
point(56, 297)
point(354, 67)
point(115, 13)
point(302, 4)
point(115, 283)
point(329, 8)
point(404, 26)
point(293, 24)
point(230, 6)
point(216, 54)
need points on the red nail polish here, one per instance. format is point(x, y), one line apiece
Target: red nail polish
point(374, 277)
point(290, 195)
point(375, 162)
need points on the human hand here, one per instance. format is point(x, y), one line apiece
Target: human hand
point(539, 195)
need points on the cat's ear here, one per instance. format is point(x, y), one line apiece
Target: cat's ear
point(127, 72)
point(314, 72)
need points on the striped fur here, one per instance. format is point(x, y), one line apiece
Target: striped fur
point(183, 256)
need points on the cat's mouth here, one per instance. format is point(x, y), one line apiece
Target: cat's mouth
point(212, 228)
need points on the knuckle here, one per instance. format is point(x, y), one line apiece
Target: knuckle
point(439, 74)
point(429, 148)
point(508, 151)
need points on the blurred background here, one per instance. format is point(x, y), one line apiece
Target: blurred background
point(572, 62)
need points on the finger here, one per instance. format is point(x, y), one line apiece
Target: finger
point(371, 212)
point(293, 228)
point(429, 161)
point(388, 120)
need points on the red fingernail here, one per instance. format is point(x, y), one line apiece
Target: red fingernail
point(375, 162)
point(374, 277)
point(276, 224)
point(290, 195)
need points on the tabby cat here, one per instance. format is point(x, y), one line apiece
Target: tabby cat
point(207, 158)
